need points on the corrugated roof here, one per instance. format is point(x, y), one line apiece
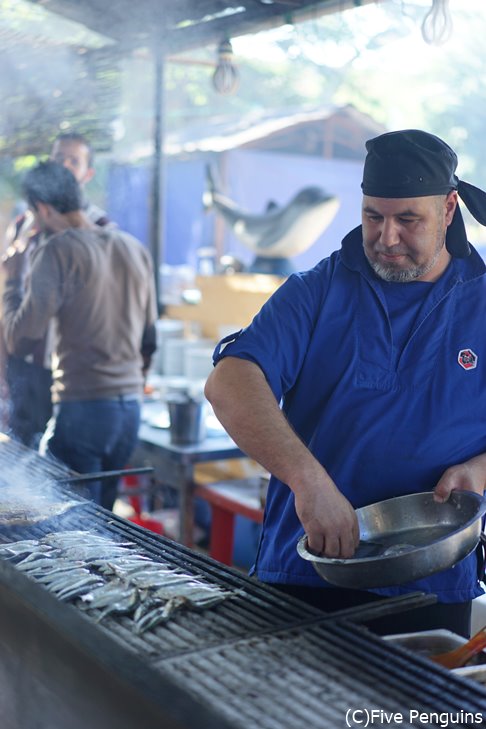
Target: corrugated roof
point(222, 136)
point(179, 25)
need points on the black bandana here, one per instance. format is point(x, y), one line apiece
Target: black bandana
point(413, 163)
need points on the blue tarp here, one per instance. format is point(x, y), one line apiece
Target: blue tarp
point(254, 178)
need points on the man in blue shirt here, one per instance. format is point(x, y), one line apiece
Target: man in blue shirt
point(350, 385)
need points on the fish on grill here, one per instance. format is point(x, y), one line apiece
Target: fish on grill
point(26, 546)
point(38, 563)
point(17, 512)
point(104, 577)
point(153, 613)
point(79, 538)
point(76, 585)
point(116, 595)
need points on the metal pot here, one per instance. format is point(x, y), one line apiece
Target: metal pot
point(404, 539)
point(187, 419)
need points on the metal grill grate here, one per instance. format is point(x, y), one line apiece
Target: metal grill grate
point(259, 659)
point(18, 460)
point(256, 610)
point(312, 675)
point(264, 660)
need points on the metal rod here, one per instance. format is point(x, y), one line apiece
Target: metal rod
point(158, 193)
point(101, 475)
point(388, 606)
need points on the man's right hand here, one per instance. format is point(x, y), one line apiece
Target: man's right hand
point(328, 518)
point(245, 405)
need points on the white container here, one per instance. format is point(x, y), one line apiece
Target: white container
point(173, 357)
point(198, 360)
point(431, 642)
point(473, 673)
point(166, 330)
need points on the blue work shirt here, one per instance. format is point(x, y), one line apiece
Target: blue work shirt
point(383, 423)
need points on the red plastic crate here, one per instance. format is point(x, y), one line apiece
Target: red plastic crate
point(152, 524)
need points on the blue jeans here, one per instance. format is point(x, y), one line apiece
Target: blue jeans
point(94, 435)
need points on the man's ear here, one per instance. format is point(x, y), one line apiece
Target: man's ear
point(43, 210)
point(450, 206)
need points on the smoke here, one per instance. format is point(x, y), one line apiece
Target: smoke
point(30, 482)
point(48, 89)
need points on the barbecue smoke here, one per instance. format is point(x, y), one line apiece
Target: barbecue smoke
point(29, 481)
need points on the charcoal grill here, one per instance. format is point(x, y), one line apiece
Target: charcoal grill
point(258, 659)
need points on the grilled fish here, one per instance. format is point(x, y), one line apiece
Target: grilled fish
point(106, 577)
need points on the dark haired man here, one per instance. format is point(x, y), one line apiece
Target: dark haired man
point(29, 378)
point(97, 284)
point(370, 353)
point(72, 150)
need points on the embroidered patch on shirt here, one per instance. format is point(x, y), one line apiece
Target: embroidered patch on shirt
point(467, 359)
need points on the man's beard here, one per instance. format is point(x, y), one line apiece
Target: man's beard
point(405, 275)
point(388, 273)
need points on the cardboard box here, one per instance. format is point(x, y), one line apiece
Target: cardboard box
point(228, 302)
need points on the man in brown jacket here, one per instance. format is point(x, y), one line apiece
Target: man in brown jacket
point(29, 378)
point(98, 285)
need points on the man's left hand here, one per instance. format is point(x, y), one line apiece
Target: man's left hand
point(467, 476)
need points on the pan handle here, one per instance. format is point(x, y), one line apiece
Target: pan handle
point(102, 475)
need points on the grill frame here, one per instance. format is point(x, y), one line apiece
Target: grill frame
point(188, 687)
point(67, 670)
point(228, 667)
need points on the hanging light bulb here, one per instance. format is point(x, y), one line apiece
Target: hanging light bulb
point(437, 24)
point(226, 78)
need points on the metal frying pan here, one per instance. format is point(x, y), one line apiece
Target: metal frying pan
point(404, 539)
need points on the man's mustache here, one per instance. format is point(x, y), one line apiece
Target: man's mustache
point(390, 251)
